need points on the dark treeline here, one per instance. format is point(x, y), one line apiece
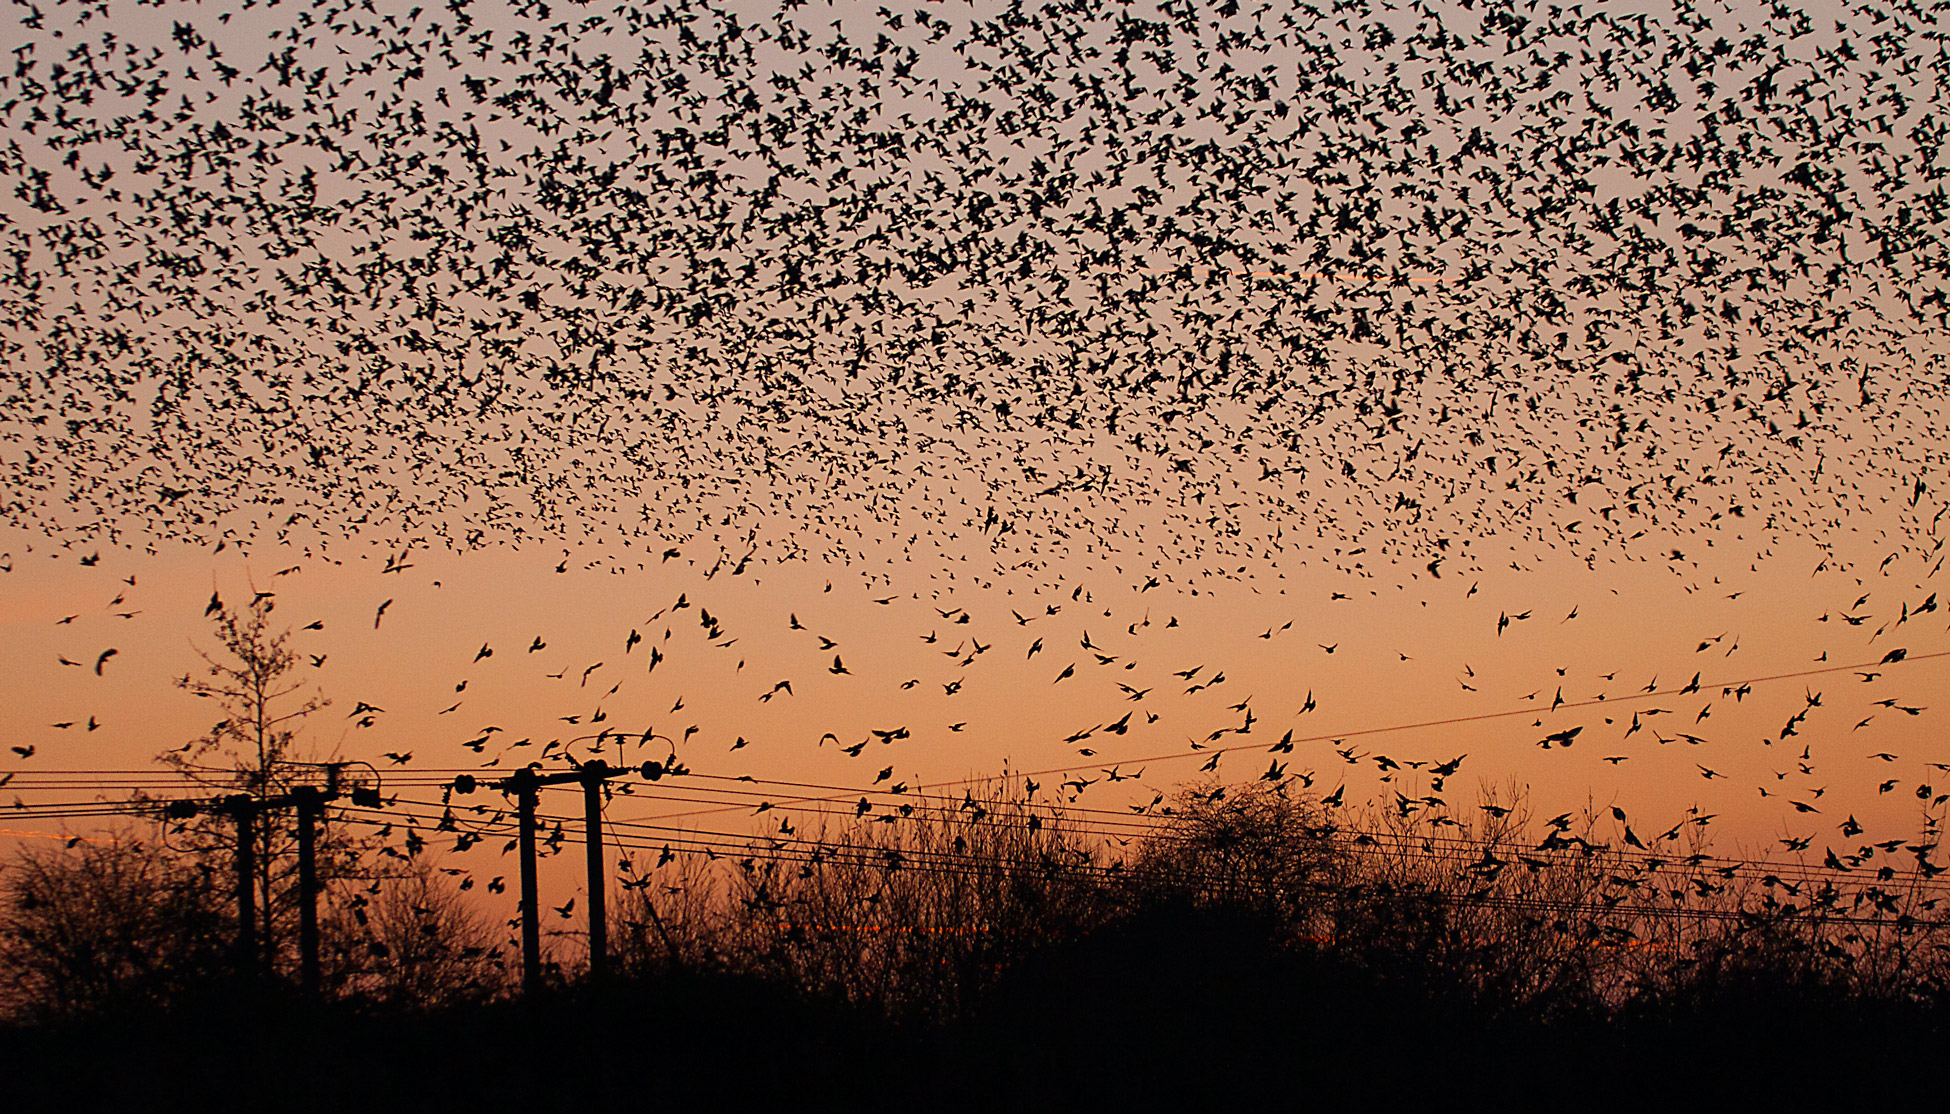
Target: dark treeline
point(998, 952)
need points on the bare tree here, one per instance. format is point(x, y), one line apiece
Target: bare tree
point(103, 925)
point(253, 680)
point(413, 939)
point(917, 911)
point(1258, 846)
point(253, 676)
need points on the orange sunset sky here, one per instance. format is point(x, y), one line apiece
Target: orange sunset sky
point(1090, 393)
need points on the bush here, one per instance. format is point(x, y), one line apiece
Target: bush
point(107, 925)
point(916, 915)
point(411, 940)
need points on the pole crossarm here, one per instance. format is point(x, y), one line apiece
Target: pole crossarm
point(525, 786)
point(309, 802)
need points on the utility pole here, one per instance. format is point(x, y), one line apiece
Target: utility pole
point(310, 804)
point(245, 811)
point(593, 775)
point(525, 785)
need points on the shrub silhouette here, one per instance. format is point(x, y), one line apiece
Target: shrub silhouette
point(108, 925)
point(916, 916)
point(1001, 938)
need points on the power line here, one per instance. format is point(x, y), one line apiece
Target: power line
point(82, 778)
point(437, 816)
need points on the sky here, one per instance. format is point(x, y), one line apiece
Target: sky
point(1099, 393)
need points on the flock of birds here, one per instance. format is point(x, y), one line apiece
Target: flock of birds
point(1223, 281)
point(1193, 293)
point(1127, 723)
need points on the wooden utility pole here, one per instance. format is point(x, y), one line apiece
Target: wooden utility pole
point(525, 785)
point(309, 802)
point(245, 811)
point(311, 805)
point(593, 776)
